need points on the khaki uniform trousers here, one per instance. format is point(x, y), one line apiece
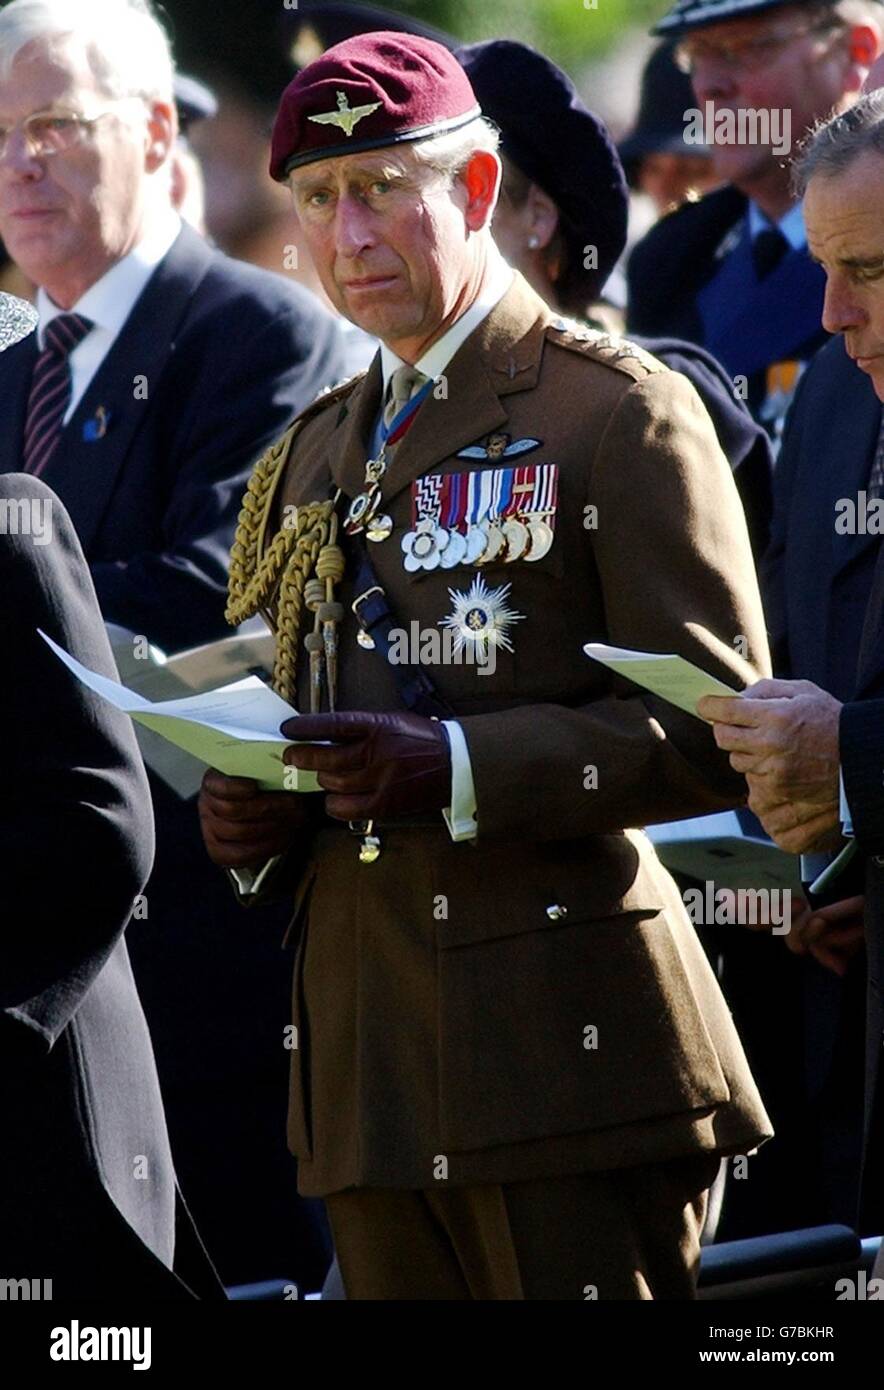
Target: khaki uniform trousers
point(631, 1233)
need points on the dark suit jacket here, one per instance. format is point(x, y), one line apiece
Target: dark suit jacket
point(816, 582)
point(88, 1196)
point(815, 585)
point(422, 1036)
point(225, 355)
point(681, 255)
point(674, 260)
point(862, 762)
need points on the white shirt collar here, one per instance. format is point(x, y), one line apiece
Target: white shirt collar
point(791, 226)
point(110, 301)
point(436, 358)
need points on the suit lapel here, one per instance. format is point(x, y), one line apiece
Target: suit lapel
point(502, 355)
point(16, 370)
point(870, 666)
point(855, 468)
point(85, 467)
point(351, 442)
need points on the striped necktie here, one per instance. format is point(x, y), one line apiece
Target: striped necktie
point(51, 390)
point(876, 478)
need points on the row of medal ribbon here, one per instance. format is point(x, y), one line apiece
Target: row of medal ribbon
point(492, 515)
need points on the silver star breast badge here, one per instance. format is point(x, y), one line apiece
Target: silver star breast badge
point(481, 617)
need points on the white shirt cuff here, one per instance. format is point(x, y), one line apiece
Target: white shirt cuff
point(249, 881)
point(460, 816)
point(846, 817)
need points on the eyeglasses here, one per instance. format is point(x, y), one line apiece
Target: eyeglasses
point(748, 55)
point(51, 132)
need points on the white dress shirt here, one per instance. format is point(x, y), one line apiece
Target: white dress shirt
point(109, 302)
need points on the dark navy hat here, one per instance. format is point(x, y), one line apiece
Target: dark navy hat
point(665, 96)
point(194, 100)
point(328, 22)
point(691, 14)
point(561, 146)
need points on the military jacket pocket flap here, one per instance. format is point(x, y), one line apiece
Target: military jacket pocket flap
point(535, 916)
point(558, 883)
point(576, 1026)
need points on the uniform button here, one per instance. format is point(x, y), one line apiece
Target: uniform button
point(556, 912)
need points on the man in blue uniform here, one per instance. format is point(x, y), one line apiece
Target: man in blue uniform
point(732, 272)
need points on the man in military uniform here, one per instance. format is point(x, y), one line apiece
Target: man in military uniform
point(732, 272)
point(515, 1075)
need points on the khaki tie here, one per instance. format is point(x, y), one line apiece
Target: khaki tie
point(404, 382)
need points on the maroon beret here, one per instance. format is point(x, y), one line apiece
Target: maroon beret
point(372, 90)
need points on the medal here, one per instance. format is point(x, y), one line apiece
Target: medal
point(362, 508)
point(517, 537)
point(495, 545)
point(455, 551)
point(542, 537)
point(490, 516)
point(540, 511)
point(476, 541)
point(502, 482)
point(424, 545)
point(362, 514)
point(379, 528)
point(481, 618)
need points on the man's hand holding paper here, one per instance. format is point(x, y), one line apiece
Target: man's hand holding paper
point(783, 736)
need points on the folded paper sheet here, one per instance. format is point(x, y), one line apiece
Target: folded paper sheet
point(673, 678)
point(234, 729)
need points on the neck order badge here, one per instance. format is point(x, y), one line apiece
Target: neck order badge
point(364, 514)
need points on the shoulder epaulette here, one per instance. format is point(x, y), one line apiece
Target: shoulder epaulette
point(329, 395)
point(607, 348)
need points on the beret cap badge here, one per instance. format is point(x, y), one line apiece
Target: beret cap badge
point(346, 117)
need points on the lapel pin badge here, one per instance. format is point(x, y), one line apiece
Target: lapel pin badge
point(97, 427)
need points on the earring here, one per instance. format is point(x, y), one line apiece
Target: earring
point(533, 242)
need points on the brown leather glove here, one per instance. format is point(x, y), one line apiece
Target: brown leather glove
point(243, 827)
point(376, 765)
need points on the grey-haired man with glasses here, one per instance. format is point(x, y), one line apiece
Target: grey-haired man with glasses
point(731, 272)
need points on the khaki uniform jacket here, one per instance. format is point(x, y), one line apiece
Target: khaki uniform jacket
point(442, 1009)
